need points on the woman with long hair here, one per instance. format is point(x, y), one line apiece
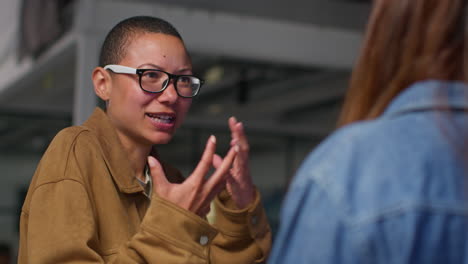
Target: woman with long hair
point(389, 186)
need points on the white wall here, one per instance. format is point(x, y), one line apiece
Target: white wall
point(9, 28)
point(9, 22)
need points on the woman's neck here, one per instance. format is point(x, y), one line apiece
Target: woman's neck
point(137, 154)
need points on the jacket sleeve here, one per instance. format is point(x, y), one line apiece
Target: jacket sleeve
point(244, 235)
point(61, 228)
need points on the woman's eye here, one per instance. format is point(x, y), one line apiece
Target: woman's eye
point(151, 74)
point(184, 79)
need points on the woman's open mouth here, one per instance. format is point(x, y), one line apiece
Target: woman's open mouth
point(162, 121)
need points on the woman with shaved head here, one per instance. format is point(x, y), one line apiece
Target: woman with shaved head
point(101, 194)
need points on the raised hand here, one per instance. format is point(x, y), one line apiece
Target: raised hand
point(196, 192)
point(239, 182)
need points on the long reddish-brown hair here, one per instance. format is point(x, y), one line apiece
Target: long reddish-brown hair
point(406, 41)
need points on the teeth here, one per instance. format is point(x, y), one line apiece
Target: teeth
point(162, 118)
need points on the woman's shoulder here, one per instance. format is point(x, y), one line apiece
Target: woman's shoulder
point(383, 143)
point(370, 167)
point(74, 137)
point(71, 145)
point(72, 134)
point(345, 146)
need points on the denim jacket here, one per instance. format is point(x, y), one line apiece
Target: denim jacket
point(390, 190)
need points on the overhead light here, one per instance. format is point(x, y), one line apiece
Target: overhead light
point(214, 74)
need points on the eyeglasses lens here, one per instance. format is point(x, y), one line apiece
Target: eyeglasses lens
point(155, 81)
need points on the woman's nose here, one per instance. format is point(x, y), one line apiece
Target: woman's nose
point(169, 95)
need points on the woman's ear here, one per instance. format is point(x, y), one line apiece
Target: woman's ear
point(102, 83)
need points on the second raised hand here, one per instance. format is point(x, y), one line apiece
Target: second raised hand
point(239, 183)
point(195, 193)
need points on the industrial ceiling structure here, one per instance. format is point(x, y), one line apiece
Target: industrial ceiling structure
point(281, 66)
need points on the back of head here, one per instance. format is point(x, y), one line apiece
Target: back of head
point(114, 47)
point(406, 41)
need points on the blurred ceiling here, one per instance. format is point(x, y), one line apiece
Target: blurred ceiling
point(344, 14)
point(272, 98)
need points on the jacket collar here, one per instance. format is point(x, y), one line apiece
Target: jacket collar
point(113, 151)
point(430, 95)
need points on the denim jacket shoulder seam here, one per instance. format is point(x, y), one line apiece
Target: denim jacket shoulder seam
point(401, 209)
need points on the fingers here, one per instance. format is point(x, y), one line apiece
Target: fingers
point(223, 169)
point(217, 160)
point(232, 126)
point(239, 138)
point(157, 172)
point(216, 190)
point(238, 134)
point(207, 158)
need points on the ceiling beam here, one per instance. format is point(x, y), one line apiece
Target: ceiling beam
point(240, 36)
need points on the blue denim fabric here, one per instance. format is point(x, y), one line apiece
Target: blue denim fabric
point(390, 190)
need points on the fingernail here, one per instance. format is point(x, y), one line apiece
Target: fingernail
point(213, 139)
point(241, 126)
point(234, 118)
point(236, 148)
point(151, 162)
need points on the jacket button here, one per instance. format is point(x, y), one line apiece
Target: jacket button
point(203, 240)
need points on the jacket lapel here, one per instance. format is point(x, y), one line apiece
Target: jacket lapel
point(113, 152)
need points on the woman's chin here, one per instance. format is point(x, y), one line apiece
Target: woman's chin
point(161, 139)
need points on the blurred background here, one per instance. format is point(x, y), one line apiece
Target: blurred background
point(281, 67)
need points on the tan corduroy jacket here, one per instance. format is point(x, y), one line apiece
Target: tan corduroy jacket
point(84, 205)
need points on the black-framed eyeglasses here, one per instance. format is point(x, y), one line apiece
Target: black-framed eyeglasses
point(156, 81)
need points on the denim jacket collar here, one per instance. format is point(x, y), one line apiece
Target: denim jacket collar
point(430, 94)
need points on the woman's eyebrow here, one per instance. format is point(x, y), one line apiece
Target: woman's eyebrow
point(154, 66)
point(149, 65)
point(185, 70)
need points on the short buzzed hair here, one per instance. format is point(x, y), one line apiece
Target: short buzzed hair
point(113, 49)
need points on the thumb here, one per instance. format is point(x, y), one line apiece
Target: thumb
point(157, 172)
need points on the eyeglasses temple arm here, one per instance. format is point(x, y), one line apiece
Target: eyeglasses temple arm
point(120, 69)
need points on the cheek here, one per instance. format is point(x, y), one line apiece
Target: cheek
point(144, 98)
point(132, 98)
point(126, 91)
